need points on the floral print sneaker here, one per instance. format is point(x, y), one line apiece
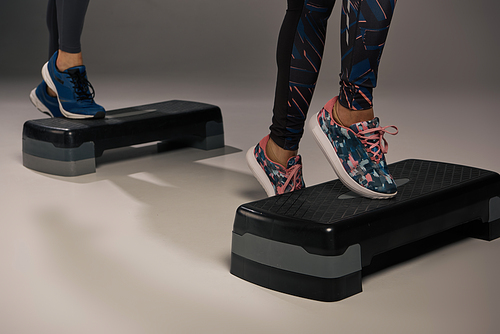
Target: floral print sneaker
point(275, 178)
point(356, 153)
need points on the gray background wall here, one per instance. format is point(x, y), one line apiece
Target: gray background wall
point(437, 45)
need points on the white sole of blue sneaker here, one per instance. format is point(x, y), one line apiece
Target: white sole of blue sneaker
point(259, 173)
point(333, 159)
point(38, 104)
point(48, 80)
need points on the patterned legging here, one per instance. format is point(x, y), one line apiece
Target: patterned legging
point(364, 27)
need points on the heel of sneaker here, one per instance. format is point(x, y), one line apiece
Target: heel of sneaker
point(259, 173)
point(47, 78)
point(38, 104)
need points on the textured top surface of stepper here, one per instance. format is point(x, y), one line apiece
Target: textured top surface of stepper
point(127, 126)
point(331, 201)
point(154, 111)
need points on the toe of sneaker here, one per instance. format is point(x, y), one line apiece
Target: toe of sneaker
point(383, 184)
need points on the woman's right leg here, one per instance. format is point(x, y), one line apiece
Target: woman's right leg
point(274, 161)
point(299, 55)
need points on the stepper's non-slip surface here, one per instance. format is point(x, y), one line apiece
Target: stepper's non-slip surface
point(326, 220)
point(127, 126)
point(68, 147)
point(332, 202)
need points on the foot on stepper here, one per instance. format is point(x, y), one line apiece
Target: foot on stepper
point(314, 242)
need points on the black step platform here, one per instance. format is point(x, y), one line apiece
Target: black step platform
point(314, 242)
point(68, 147)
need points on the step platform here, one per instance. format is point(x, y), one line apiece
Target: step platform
point(314, 242)
point(68, 147)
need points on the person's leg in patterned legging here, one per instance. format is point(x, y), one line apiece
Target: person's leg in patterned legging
point(274, 161)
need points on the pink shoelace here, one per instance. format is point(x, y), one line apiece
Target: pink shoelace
point(374, 139)
point(292, 175)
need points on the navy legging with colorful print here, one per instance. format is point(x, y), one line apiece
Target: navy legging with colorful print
point(364, 27)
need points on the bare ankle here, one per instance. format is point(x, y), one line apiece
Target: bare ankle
point(67, 60)
point(278, 154)
point(347, 117)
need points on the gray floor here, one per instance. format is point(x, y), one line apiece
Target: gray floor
point(143, 245)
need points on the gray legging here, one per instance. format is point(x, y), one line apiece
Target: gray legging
point(65, 22)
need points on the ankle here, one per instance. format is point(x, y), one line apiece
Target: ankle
point(277, 154)
point(348, 117)
point(67, 60)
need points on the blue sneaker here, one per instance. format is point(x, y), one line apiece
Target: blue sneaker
point(74, 92)
point(356, 153)
point(44, 102)
point(275, 178)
